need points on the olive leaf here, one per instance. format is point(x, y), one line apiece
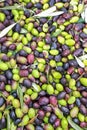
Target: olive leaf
point(75, 126)
point(83, 57)
point(80, 63)
point(16, 6)
point(50, 15)
point(84, 15)
point(23, 31)
point(20, 94)
point(6, 30)
point(49, 12)
point(2, 0)
point(34, 85)
point(8, 121)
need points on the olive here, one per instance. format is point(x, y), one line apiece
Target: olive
point(2, 123)
point(38, 121)
point(39, 128)
point(13, 115)
point(76, 121)
point(27, 13)
point(58, 58)
point(2, 101)
point(4, 49)
point(8, 74)
point(38, 5)
point(23, 53)
point(14, 94)
point(52, 2)
point(27, 83)
point(65, 110)
point(52, 118)
point(17, 28)
point(78, 102)
point(17, 121)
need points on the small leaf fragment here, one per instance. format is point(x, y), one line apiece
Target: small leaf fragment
point(23, 31)
point(20, 94)
point(56, 33)
point(75, 126)
point(81, 64)
point(8, 121)
point(83, 57)
point(12, 7)
point(6, 30)
point(35, 86)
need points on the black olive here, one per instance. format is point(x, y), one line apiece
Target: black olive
point(39, 128)
point(17, 121)
point(65, 110)
point(78, 102)
point(27, 13)
point(27, 83)
point(13, 115)
point(4, 49)
point(38, 121)
point(17, 28)
point(2, 101)
point(76, 120)
point(23, 53)
point(38, 5)
point(8, 74)
point(52, 118)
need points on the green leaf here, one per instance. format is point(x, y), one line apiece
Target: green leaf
point(8, 121)
point(6, 30)
point(23, 31)
point(20, 7)
point(75, 126)
point(9, 107)
point(20, 94)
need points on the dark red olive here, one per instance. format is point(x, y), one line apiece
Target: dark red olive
point(41, 114)
point(30, 58)
point(23, 73)
point(53, 100)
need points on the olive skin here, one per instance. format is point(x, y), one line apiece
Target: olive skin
point(2, 123)
point(2, 101)
point(12, 115)
point(8, 74)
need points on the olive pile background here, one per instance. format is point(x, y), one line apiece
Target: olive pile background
point(37, 61)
